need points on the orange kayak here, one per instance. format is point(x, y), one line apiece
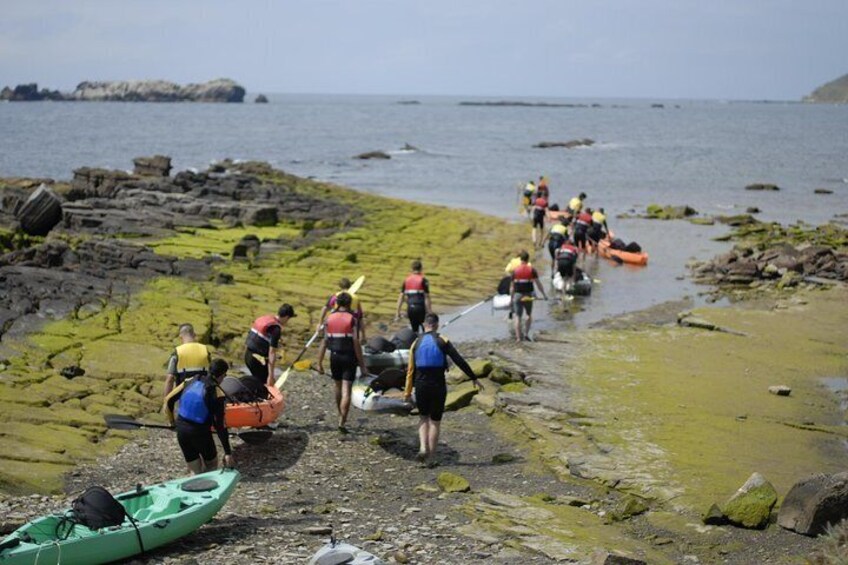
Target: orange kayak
point(607, 252)
point(256, 414)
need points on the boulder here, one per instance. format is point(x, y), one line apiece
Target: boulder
point(504, 376)
point(40, 212)
point(156, 166)
point(714, 516)
point(657, 212)
point(261, 99)
point(602, 557)
point(460, 397)
point(373, 155)
point(822, 191)
point(751, 505)
point(451, 482)
point(260, 216)
point(586, 142)
point(247, 247)
point(780, 390)
point(90, 182)
point(752, 210)
point(737, 220)
point(814, 503)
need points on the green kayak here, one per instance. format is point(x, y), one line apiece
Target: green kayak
point(160, 514)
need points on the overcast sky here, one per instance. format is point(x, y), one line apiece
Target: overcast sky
point(726, 49)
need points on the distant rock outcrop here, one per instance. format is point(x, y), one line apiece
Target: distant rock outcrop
point(834, 92)
point(586, 142)
point(261, 99)
point(218, 90)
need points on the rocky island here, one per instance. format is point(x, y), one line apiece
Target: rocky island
point(218, 90)
point(834, 92)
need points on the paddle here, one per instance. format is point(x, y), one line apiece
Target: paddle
point(466, 311)
point(357, 284)
point(124, 422)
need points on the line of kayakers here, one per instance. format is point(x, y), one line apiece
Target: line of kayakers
point(197, 388)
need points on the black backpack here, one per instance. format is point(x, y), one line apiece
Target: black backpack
point(379, 344)
point(618, 244)
point(633, 247)
point(404, 338)
point(503, 285)
point(96, 508)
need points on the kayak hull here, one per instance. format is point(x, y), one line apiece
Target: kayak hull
point(607, 252)
point(335, 553)
point(163, 513)
point(256, 414)
point(390, 401)
point(376, 362)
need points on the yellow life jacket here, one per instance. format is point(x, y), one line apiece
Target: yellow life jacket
point(575, 204)
point(192, 358)
point(354, 301)
point(560, 229)
point(513, 263)
point(598, 217)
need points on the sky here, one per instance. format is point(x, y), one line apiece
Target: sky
point(664, 49)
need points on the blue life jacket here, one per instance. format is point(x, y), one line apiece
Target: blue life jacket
point(428, 354)
point(193, 403)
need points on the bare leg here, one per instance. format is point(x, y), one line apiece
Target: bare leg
point(423, 437)
point(338, 396)
point(196, 466)
point(210, 465)
point(344, 402)
point(527, 326)
point(433, 437)
point(517, 322)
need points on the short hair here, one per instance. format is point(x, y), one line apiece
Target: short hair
point(431, 319)
point(601, 210)
point(524, 256)
point(286, 311)
point(582, 195)
point(187, 330)
point(344, 283)
point(416, 265)
point(219, 368)
point(344, 300)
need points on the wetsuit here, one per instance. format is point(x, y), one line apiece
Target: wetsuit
point(539, 208)
point(556, 238)
point(339, 331)
point(599, 228)
point(199, 412)
point(264, 334)
point(416, 288)
point(428, 361)
point(522, 280)
point(566, 258)
point(581, 228)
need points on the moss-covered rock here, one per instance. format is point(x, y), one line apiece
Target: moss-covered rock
point(751, 506)
point(658, 212)
point(451, 482)
point(460, 397)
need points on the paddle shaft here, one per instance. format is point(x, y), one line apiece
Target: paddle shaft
point(466, 311)
point(284, 377)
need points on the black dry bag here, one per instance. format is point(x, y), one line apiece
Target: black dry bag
point(96, 509)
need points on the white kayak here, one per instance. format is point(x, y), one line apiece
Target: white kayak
point(337, 553)
point(376, 362)
point(501, 302)
point(385, 401)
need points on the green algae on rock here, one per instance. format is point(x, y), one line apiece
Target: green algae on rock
point(451, 482)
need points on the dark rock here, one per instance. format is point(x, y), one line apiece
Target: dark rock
point(247, 248)
point(822, 191)
point(72, 371)
point(261, 99)
point(752, 210)
point(40, 212)
point(714, 516)
point(219, 90)
point(586, 142)
point(814, 503)
point(373, 155)
point(657, 212)
point(737, 220)
point(224, 278)
point(614, 558)
point(88, 182)
point(762, 186)
point(259, 216)
point(29, 93)
point(156, 166)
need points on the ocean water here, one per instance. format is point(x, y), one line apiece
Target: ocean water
point(700, 153)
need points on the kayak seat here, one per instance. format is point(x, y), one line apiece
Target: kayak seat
point(161, 508)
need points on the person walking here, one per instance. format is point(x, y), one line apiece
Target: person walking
point(416, 291)
point(342, 339)
point(188, 360)
point(201, 408)
point(260, 356)
point(540, 208)
point(355, 307)
point(428, 361)
point(521, 291)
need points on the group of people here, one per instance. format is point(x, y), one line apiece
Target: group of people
point(197, 387)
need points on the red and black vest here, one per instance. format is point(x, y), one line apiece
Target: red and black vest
point(523, 277)
point(567, 253)
point(584, 220)
point(540, 205)
point(339, 331)
point(259, 339)
point(414, 289)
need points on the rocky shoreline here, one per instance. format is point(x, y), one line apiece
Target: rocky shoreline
point(218, 90)
point(604, 446)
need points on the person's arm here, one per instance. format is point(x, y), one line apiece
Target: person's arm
point(217, 409)
point(427, 305)
point(357, 350)
point(540, 286)
point(170, 401)
point(171, 377)
point(410, 372)
point(512, 289)
point(400, 303)
point(460, 361)
point(321, 350)
point(272, 360)
point(361, 323)
point(322, 316)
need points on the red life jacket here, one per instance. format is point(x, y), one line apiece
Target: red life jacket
point(262, 325)
point(339, 331)
point(523, 277)
point(567, 252)
point(584, 219)
point(414, 284)
point(540, 204)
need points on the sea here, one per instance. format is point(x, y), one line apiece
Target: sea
point(700, 153)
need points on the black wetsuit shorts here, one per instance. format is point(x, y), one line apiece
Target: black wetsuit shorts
point(538, 218)
point(430, 399)
point(195, 441)
point(566, 268)
point(343, 366)
point(522, 303)
point(416, 313)
point(580, 235)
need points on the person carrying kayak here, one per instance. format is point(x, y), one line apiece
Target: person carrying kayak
point(542, 188)
point(342, 339)
point(260, 356)
point(582, 225)
point(599, 229)
point(188, 360)
point(521, 291)
point(355, 307)
point(540, 208)
point(555, 238)
point(575, 205)
point(566, 260)
point(200, 410)
point(428, 361)
point(416, 291)
point(527, 196)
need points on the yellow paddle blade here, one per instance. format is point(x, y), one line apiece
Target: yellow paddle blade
point(357, 284)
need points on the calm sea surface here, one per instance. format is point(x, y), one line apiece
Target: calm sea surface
point(687, 152)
